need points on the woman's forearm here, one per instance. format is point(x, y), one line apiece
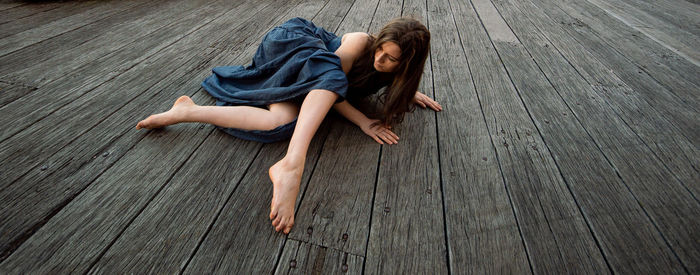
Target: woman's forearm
point(351, 113)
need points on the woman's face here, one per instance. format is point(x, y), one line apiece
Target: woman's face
point(386, 57)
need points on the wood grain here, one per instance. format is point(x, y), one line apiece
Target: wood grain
point(482, 232)
point(305, 258)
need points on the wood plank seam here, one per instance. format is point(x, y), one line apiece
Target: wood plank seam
point(34, 228)
point(3, 52)
point(642, 29)
point(439, 156)
point(121, 71)
point(211, 224)
point(110, 166)
point(640, 67)
point(374, 196)
point(113, 111)
point(325, 247)
point(649, 218)
point(578, 205)
point(690, 139)
point(658, 229)
point(656, 156)
point(29, 14)
point(155, 194)
point(500, 168)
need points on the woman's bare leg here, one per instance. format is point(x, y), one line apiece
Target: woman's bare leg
point(286, 173)
point(241, 117)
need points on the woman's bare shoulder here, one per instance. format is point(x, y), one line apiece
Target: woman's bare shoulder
point(355, 37)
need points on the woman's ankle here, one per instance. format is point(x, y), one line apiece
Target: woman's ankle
point(293, 161)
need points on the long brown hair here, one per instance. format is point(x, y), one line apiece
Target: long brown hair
point(413, 38)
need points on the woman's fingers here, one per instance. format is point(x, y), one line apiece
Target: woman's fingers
point(425, 101)
point(389, 136)
point(377, 139)
point(394, 135)
point(434, 105)
point(382, 133)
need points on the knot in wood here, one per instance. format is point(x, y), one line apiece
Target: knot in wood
point(293, 264)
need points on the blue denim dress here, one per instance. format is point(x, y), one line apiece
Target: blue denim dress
point(293, 59)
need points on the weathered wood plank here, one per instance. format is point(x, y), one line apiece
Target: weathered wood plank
point(75, 165)
point(76, 236)
point(571, 145)
point(9, 5)
point(408, 187)
point(54, 58)
point(643, 54)
point(163, 237)
point(242, 239)
point(642, 104)
point(330, 211)
point(46, 17)
point(93, 105)
point(20, 40)
point(304, 258)
point(358, 18)
point(681, 14)
point(631, 198)
point(482, 233)
point(22, 11)
point(675, 39)
point(11, 92)
point(333, 14)
point(25, 111)
point(533, 181)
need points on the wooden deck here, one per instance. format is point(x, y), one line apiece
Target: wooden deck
point(569, 143)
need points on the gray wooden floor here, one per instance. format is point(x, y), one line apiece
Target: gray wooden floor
point(568, 143)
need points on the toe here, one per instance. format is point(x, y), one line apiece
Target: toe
point(279, 227)
point(283, 224)
point(276, 222)
point(273, 214)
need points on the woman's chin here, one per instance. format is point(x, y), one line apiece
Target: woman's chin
point(379, 69)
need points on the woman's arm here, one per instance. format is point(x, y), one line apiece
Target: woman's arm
point(371, 127)
point(351, 113)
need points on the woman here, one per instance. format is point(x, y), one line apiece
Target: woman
point(298, 72)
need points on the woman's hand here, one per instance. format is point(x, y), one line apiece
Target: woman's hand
point(379, 132)
point(424, 101)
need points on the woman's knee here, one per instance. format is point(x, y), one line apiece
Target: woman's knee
point(283, 113)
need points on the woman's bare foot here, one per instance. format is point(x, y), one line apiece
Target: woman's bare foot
point(286, 178)
point(172, 116)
